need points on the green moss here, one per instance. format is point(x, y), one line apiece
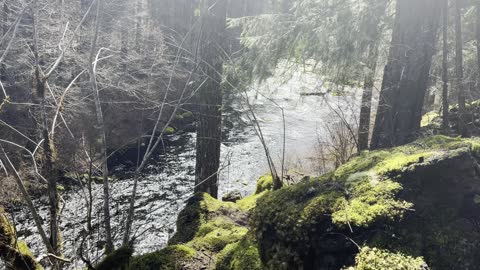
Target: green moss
point(209, 225)
point(118, 259)
point(60, 188)
point(363, 162)
point(249, 202)
point(218, 238)
point(169, 130)
point(187, 114)
point(217, 233)
point(366, 193)
point(428, 118)
point(264, 183)
point(374, 259)
point(199, 209)
point(171, 257)
point(399, 160)
point(370, 202)
point(242, 255)
point(16, 253)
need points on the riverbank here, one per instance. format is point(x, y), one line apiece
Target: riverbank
point(363, 216)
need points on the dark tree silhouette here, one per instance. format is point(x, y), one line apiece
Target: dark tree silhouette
point(213, 30)
point(406, 73)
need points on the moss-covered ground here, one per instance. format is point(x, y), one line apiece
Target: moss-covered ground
point(401, 208)
point(380, 198)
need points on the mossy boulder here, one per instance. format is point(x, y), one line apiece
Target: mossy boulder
point(172, 257)
point(241, 255)
point(233, 196)
point(374, 259)
point(432, 121)
point(117, 260)
point(208, 230)
point(264, 183)
point(419, 200)
point(200, 212)
point(15, 254)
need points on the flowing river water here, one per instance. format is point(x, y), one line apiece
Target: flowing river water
point(169, 179)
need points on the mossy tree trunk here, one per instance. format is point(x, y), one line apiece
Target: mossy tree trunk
point(213, 33)
point(406, 73)
point(462, 127)
point(445, 106)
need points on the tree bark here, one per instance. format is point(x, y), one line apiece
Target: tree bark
point(373, 35)
point(5, 13)
point(445, 106)
point(462, 127)
point(478, 43)
point(101, 125)
point(406, 73)
point(49, 170)
point(210, 97)
point(124, 37)
point(28, 201)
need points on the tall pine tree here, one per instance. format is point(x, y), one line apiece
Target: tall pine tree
point(406, 73)
point(213, 32)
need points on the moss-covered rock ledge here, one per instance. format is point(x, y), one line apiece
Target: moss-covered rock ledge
point(410, 207)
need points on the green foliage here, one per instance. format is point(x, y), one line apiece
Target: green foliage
point(333, 36)
point(374, 259)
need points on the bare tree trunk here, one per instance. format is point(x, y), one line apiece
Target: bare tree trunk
point(406, 73)
point(462, 127)
point(209, 132)
point(138, 25)
point(478, 43)
point(124, 37)
point(49, 169)
point(445, 106)
point(101, 125)
point(90, 197)
point(365, 110)
point(28, 201)
point(373, 33)
point(5, 13)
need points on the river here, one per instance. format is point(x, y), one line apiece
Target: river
point(168, 181)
